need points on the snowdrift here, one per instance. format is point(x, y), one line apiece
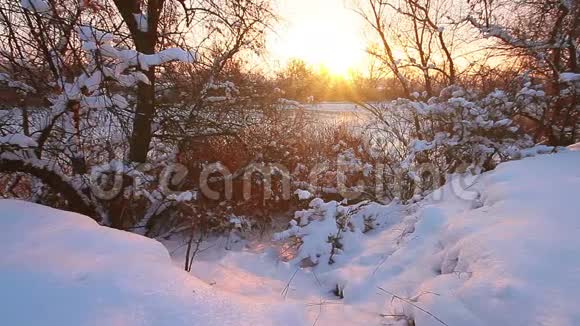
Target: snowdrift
point(503, 251)
point(60, 268)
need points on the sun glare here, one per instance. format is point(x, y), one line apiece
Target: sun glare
point(322, 33)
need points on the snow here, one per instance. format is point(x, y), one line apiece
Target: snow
point(496, 260)
point(500, 248)
point(574, 147)
point(533, 151)
point(144, 61)
point(16, 84)
point(569, 77)
point(60, 268)
point(334, 107)
point(324, 107)
point(90, 34)
point(141, 20)
point(19, 140)
point(94, 39)
point(421, 145)
point(497, 249)
point(104, 101)
point(303, 194)
point(183, 196)
point(39, 6)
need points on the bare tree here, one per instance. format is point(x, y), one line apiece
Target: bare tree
point(418, 29)
point(239, 21)
point(100, 67)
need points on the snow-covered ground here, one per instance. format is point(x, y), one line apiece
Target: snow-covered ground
point(60, 268)
point(334, 107)
point(499, 249)
point(329, 107)
point(333, 112)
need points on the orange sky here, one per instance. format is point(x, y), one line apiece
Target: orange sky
point(321, 32)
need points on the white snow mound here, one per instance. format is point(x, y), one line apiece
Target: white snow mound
point(61, 268)
point(511, 256)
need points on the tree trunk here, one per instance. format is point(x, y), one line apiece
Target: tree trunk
point(144, 113)
point(145, 42)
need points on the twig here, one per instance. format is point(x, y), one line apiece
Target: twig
point(414, 305)
point(287, 287)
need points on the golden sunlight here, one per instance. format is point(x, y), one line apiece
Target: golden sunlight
point(323, 33)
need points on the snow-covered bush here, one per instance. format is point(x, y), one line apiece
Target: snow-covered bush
point(326, 229)
point(423, 141)
point(548, 49)
point(335, 164)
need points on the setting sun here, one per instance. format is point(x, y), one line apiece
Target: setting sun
point(323, 33)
